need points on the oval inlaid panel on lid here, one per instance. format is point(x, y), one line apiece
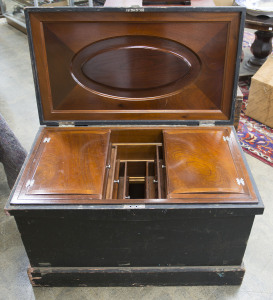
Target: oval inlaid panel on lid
point(135, 67)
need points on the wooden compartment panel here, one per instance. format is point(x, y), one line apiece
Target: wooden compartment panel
point(68, 163)
point(202, 163)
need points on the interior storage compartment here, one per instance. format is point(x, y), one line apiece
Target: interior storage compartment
point(136, 171)
point(140, 165)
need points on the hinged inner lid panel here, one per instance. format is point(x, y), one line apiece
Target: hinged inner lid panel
point(204, 164)
point(154, 65)
point(68, 163)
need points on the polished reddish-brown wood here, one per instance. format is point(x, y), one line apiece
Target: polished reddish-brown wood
point(157, 165)
point(129, 67)
point(200, 163)
point(67, 164)
point(135, 66)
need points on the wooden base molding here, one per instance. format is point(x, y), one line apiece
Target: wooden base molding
point(137, 276)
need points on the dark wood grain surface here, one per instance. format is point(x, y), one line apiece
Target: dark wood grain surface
point(262, 23)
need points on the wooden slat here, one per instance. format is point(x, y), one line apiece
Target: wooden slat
point(146, 181)
point(158, 177)
point(111, 174)
point(116, 178)
point(125, 190)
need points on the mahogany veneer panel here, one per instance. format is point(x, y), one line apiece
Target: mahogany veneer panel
point(205, 163)
point(143, 66)
point(67, 163)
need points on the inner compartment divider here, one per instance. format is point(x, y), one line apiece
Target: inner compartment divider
point(147, 180)
point(111, 173)
point(116, 180)
point(125, 182)
point(158, 177)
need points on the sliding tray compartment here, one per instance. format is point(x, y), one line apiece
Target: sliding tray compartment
point(137, 177)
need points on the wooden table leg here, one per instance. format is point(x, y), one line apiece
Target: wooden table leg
point(261, 48)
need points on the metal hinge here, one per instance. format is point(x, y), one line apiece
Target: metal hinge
point(44, 264)
point(135, 8)
point(46, 140)
point(30, 183)
point(67, 124)
point(133, 206)
point(227, 138)
point(206, 123)
point(240, 181)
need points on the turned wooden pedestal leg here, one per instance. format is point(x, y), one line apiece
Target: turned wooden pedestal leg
point(261, 48)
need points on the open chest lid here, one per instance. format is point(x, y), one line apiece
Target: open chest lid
point(157, 65)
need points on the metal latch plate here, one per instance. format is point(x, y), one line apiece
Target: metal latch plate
point(206, 123)
point(66, 124)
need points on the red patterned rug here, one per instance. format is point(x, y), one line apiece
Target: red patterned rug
point(256, 138)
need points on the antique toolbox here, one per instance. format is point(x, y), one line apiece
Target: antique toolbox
point(136, 176)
